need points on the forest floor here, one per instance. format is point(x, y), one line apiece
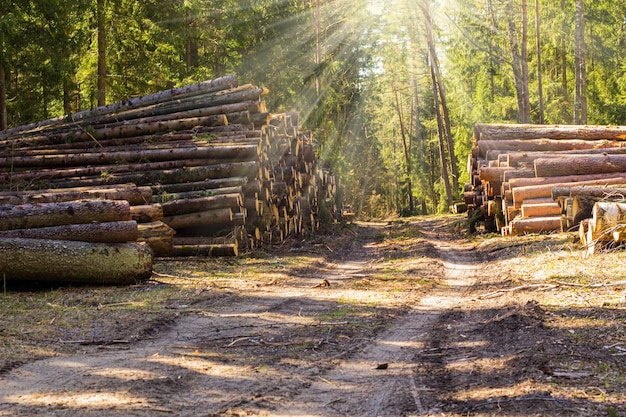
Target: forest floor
point(408, 317)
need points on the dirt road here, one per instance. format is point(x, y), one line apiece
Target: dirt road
point(383, 319)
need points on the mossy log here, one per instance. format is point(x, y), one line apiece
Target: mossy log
point(77, 262)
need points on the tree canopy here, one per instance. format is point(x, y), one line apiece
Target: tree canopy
point(391, 88)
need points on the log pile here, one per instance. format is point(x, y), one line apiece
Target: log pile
point(203, 169)
point(536, 178)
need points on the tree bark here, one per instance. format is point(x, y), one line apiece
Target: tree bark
point(147, 213)
point(222, 216)
point(539, 69)
point(544, 145)
point(191, 205)
point(77, 262)
point(540, 210)
point(3, 99)
point(520, 226)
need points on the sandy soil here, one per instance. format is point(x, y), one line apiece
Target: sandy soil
point(406, 318)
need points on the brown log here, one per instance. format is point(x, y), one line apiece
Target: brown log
point(199, 185)
point(70, 261)
point(543, 145)
point(613, 192)
point(519, 226)
point(232, 153)
point(191, 205)
point(165, 197)
point(27, 216)
point(190, 174)
point(580, 165)
point(216, 217)
point(129, 192)
point(147, 213)
point(515, 159)
point(580, 179)
point(540, 209)
point(528, 131)
point(534, 191)
point(493, 174)
point(110, 232)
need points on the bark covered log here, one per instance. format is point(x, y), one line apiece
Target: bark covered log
point(530, 131)
point(109, 232)
point(70, 261)
point(580, 165)
point(55, 214)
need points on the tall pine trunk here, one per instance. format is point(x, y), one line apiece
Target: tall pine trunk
point(406, 145)
point(580, 95)
point(539, 75)
point(101, 52)
point(3, 99)
point(520, 64)
point(442, 147)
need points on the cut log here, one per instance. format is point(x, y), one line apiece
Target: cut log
point(519, 226)
point(110, 232)
point(232, 153)
point(165, 197)
point(191, 205)
point(580, 165)
point(199, 185)
point(70, 261)
point(147, 213)
point(158, 236)
point(606, 216)
point(56, 214)
point(543, 145)
point(541, 209)
point(129, 192)
point(529, 131)
point(218, 217)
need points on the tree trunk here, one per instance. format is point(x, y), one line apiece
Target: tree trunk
point(580, 97)
point(3, 99)
point(222, 216)
point(519, 64)
point(108, 232)
point(541, 210)
point(79, 262)
point(442, 149)
point(102, 47)
point(56, 214)
point(147, 213)
point(406, 145)
point(538, 52)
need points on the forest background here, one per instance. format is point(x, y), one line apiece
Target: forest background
point(391, 88)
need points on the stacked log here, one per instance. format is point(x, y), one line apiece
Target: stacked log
point(522, 175)
point(204, 168)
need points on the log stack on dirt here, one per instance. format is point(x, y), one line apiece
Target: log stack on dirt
point(536, 178)
point(204, 169)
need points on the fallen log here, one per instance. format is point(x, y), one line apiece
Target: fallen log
point(109, 232)
point(56, 214)
point(78, 262)
point(217, 217)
